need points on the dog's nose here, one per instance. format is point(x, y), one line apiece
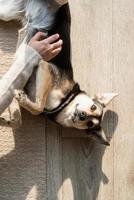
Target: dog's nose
point(82, 116)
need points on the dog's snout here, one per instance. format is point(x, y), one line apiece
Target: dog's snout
point(82, 116)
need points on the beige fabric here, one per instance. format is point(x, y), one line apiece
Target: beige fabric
point(25, 60)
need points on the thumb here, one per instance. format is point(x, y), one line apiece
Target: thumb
point(39, 36)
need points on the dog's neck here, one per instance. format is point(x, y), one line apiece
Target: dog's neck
point(63, 102)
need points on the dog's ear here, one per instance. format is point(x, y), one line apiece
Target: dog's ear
point(105, 99)
point(98, 136)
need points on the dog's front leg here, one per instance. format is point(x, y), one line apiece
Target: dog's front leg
point(15, 114)
point(43, 87)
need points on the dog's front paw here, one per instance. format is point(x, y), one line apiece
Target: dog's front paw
point(20, 96)
point(3, 121)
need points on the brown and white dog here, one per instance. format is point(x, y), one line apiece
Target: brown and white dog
point(51, 89)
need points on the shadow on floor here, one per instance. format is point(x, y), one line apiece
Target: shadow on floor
point(26, 166)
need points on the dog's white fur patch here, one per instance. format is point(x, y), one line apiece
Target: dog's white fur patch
point(53, 99)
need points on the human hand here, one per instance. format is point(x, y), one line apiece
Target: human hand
point(49, 47)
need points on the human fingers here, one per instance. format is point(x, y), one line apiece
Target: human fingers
point(56, 52)
point(47, 56)
point(56, 44)
point(52, 38)
point(39, 36)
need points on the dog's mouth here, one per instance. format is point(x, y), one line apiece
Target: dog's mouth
point(78, 116)
point(75, 117)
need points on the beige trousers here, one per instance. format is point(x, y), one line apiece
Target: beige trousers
point(26, 58)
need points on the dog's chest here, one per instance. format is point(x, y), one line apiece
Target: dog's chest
point(54, 98)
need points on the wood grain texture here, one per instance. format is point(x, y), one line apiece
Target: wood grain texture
point(54, 161)
point(42, 161)
point(123, 60)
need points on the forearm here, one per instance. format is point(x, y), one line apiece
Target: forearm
point(25, 60)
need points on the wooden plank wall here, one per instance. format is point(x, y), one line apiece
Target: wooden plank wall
point(42, 161)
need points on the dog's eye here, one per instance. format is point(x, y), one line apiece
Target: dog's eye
point(82, 116)
point(90, 124)
point(93, 107)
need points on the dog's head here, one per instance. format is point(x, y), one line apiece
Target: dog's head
point(86, 112)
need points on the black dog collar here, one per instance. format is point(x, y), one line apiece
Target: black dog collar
point(65, 101)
